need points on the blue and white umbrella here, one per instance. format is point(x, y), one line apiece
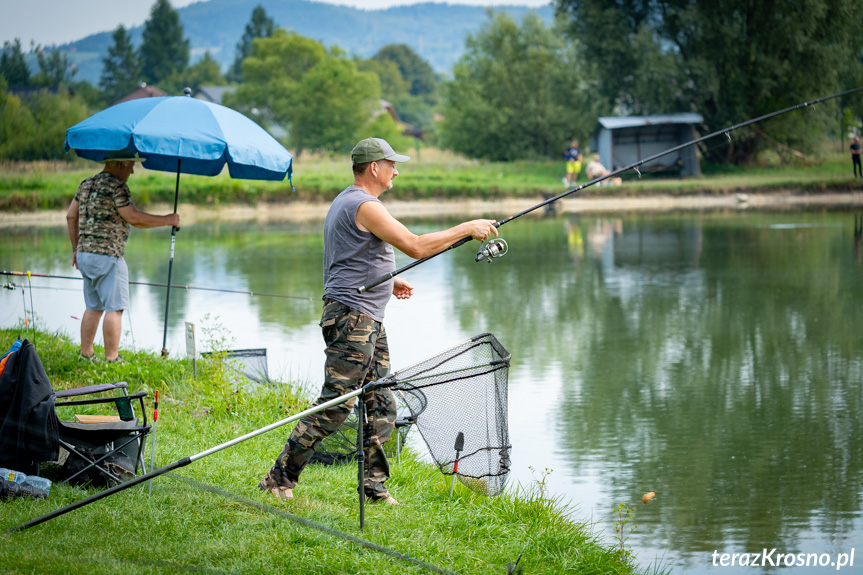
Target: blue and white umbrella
point(200, 137)
point(182, 135)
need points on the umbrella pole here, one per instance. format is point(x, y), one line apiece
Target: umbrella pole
point(170, 266)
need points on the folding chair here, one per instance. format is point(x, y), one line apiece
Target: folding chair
point(103, 450)
point(98, 449)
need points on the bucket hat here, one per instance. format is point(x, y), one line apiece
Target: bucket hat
point(122, 156)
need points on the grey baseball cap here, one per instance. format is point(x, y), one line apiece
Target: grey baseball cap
point(374, 149)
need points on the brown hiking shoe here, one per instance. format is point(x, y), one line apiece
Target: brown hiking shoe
point(268, 485)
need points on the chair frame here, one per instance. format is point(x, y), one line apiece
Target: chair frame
point(125, 407)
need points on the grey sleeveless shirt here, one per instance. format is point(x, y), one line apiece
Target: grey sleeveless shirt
point(354, 258)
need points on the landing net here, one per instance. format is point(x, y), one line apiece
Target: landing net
point(244, 365)
point(341, 446)
point(462, 390)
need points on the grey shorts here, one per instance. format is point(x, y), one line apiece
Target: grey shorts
point(106, 282)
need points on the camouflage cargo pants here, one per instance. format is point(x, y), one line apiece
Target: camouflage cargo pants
point(357, 353)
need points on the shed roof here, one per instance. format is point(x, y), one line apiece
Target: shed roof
point(615, 122)
point(214, 94)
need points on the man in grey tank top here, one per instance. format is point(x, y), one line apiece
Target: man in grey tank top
point(359, 236)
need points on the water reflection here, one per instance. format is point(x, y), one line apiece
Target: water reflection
point(858, 235)
point(715, 359)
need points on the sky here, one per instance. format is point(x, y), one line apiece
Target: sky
point(47, 22)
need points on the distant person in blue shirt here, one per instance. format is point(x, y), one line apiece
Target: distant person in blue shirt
point(572, 155)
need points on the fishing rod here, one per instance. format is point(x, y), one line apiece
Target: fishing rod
point(190, 459)
point(475, 350)
point(152, 284)
point(14, 286)
point(497, 247)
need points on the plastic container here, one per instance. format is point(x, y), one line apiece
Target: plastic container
point(11, 475)
point(22, 479)
point(38, 483)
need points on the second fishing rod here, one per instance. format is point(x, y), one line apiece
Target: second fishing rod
point(496, 248)
point(153, 284)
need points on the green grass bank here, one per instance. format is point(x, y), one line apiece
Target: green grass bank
point(432, 174)
point(233, 528)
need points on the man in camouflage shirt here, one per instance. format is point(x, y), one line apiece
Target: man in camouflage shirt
point(99, 220)
point(359, 236)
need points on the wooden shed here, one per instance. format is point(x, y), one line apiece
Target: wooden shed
point(623, 141)
point(214, 94)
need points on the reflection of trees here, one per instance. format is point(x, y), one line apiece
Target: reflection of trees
point(262, 259)
point(519, 294)
point(40, 250)
point(281, 259)
point(719, 365)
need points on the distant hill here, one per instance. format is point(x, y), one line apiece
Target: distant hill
point(435, 31)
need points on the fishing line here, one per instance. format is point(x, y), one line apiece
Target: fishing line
point(32, 308)
point(131, 330)
point(153, 284)
point(13, 285)
point(309, 523)
point(481, 256)
point(24, 303)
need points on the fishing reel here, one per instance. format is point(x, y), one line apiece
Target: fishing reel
point(490, 249)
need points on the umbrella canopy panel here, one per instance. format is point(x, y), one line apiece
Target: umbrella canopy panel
point(203, 135)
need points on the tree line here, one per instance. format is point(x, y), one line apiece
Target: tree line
point(728, 61)
point(521, 90)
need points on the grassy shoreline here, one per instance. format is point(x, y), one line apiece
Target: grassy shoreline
point(233, 528)
point(434, 175)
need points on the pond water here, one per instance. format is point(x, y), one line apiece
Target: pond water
point(713, 358)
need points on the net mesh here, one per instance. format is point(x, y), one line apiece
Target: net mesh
point(341, 446)
point(244, 365)
point(462, 390)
